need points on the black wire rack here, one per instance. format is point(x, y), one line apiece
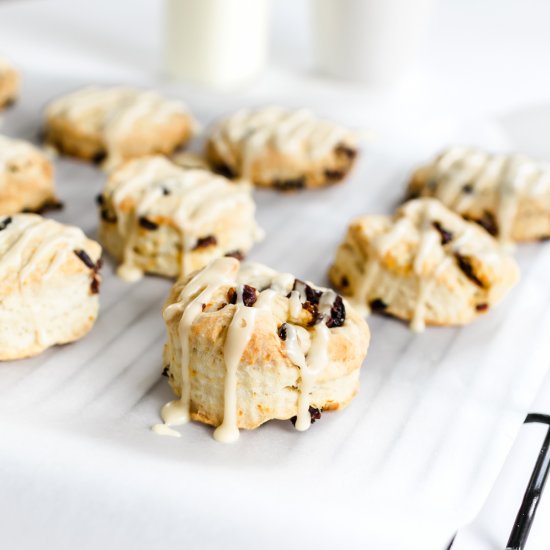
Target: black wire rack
point(533, 492)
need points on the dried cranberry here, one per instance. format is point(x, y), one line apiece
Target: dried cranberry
point(289, 185)
point(203, 242)
point(108, 216)
point(446, 236)
point(249, 295)
point(95, 284)
point(86, 260)
point(237, 254)
point(346, 151)
point(99, 157)
point(378, 305)
point(334, 175)
point(5, 222)
point(232, 296)
point(465, 264)
point(312, 295)
point(482, 307)
point(146, 223)
point(224, 170)
point(488, 222)
point(313, 412)
point(337, 313)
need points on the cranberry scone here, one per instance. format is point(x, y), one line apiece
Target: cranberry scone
point(49, 284)
point(9, 83)
point(247, 344)
point(508, 194)
point(26, 178)
point(425, 265)
point(116, 124)
point(160, 218)
point(281, 148)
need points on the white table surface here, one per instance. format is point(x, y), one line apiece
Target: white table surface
point(480, 59)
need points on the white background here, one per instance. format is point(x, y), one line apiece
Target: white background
point(481, 58)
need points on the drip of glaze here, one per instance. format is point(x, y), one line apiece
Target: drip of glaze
point(297, 346)
point(238, 335)
point(201, 287)
point(316, 361)
point(164, 429)
point(429, 240)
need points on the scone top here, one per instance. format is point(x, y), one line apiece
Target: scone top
point(288, 348)
point(282, 148)
point(33, 249)
point(507, 194)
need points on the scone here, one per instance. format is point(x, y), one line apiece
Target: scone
point(26, 178)
point(247, 344)
point(426, 265)
point(284, 149)
point(49, 284)
point(116, 124)
point(509, 195)
point(160, 218)
point(9, 83)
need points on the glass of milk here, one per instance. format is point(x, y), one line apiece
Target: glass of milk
point(370, 41)
point(221, 44)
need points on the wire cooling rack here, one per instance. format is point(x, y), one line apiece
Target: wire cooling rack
point(533, 492)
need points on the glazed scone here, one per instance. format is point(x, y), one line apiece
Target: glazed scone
point(247, 344)
point(426, 265)
point(116, 124)
point(508, 194)
point(160, 218)
point(9, 83)
point(49, 284)
point(280, 148)
point(26, 178)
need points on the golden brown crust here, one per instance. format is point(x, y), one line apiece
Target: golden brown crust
point(9, 85)
point(26, 178)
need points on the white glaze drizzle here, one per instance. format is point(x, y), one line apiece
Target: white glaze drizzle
point(238, 335)
point(507, 177)
point(287, 131)
point(196, 198)
point(308, 352)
